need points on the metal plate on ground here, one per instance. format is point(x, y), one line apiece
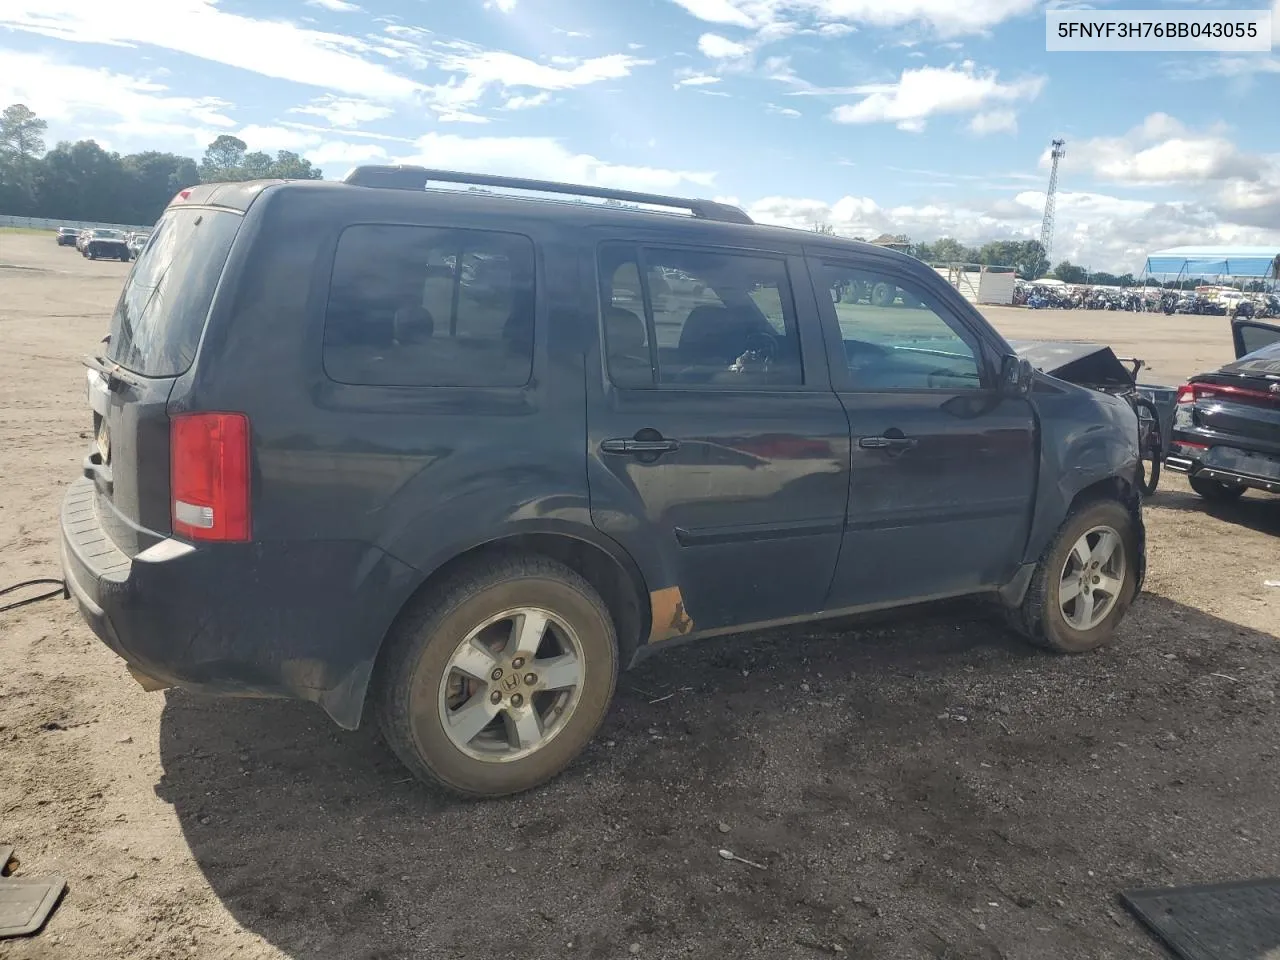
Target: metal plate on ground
point(1225, 921)
point(26, 904)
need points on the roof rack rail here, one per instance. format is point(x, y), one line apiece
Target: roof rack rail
point(401, 177)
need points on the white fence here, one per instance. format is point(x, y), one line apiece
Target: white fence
point(978, 283)
point(39, 223)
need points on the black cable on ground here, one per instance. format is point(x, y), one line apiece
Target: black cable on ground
point(60, 592)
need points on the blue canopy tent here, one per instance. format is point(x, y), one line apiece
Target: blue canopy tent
point(1215, 262)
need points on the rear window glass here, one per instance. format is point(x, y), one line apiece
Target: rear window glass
point(161, 313)
point(423, 306)
point(1264, 360)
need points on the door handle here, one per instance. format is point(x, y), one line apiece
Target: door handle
point(886, 443)
point(633, 446)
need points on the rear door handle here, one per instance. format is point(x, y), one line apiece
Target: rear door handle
point(640, 446)
point(886, 443)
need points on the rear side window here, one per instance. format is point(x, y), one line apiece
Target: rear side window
point(707, 318)
point(429, 307)
point(161, 312)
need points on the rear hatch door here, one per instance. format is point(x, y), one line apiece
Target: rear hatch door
point(155, 332)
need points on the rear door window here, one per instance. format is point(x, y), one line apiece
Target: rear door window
point(707, 318)
point(430, 307)
point(162, 310)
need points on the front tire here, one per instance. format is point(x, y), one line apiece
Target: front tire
point(1084, 582)
point(1215, 491)
point(494, 682)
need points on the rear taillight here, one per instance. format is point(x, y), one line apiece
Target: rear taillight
point(1184, 413)
point(209, 475)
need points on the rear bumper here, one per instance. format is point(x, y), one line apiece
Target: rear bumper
point(1233, 466)
point(294, 619)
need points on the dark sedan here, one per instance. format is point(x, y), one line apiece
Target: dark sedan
point(1226, 429)
point(108, 244)
point(67, 236)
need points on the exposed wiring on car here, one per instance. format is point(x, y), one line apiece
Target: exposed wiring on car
point(60, 592)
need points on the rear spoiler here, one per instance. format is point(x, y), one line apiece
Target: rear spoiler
point(234, 196)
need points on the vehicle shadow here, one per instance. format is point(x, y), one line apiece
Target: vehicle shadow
point(1255, 510)
point(891, 777)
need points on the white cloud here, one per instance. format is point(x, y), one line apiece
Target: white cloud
point(272, 48)
point(833, 30)
point(477, 71)
point(337, 6)
point(945, 17)
point(99, 103)
point(345, 111)
point(340, 152)
point(1162, 150)
point(920, 94)
point(546, 158)
point(526, 103)
point(697, 80)
point(719, 11)
point(994, 121)
point(720, 48)
point(781, 111)
point(1102, 231)
point(505, 6)
point(361, 134)
point(260, 137)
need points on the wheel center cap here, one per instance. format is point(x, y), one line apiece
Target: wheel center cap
point(510, 683)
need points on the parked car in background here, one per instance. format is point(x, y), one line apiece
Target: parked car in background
point(1226, 427)
point(433, 452)
point(137, 240)
point(82, 238)
point(66, 236)
point(106, 244)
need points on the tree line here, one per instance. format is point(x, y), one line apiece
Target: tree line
point(82, 181)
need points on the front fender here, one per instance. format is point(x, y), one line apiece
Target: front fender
point(1087, 439)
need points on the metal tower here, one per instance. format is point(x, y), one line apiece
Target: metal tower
point(1050, 199)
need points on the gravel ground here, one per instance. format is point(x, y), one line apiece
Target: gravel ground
point(915, 786)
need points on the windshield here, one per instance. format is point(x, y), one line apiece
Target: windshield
point(106, 234)
point(161, 312)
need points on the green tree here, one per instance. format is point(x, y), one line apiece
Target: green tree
point(1031, 261)
point(289, 166)
point(223, 160)
point(152, 179)
point(1068, 272)
point(21, 146)
point(81, 181)
point(256, 166)
point(21, 132)
point(949, 250)
point(823, 228)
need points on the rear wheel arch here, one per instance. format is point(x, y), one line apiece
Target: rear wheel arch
point(613, 575)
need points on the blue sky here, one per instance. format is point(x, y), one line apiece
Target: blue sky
point(925, 117)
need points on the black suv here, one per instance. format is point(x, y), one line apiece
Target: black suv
point(461, 455)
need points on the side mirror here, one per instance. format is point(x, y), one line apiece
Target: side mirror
point(1015, 376)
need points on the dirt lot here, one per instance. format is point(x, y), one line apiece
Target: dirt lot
point(926, 787)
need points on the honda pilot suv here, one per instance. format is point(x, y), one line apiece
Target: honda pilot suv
point(458, 456)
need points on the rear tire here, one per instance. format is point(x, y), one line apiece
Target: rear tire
point(1215, 491)
point(462, 648)
point(1044, 617)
